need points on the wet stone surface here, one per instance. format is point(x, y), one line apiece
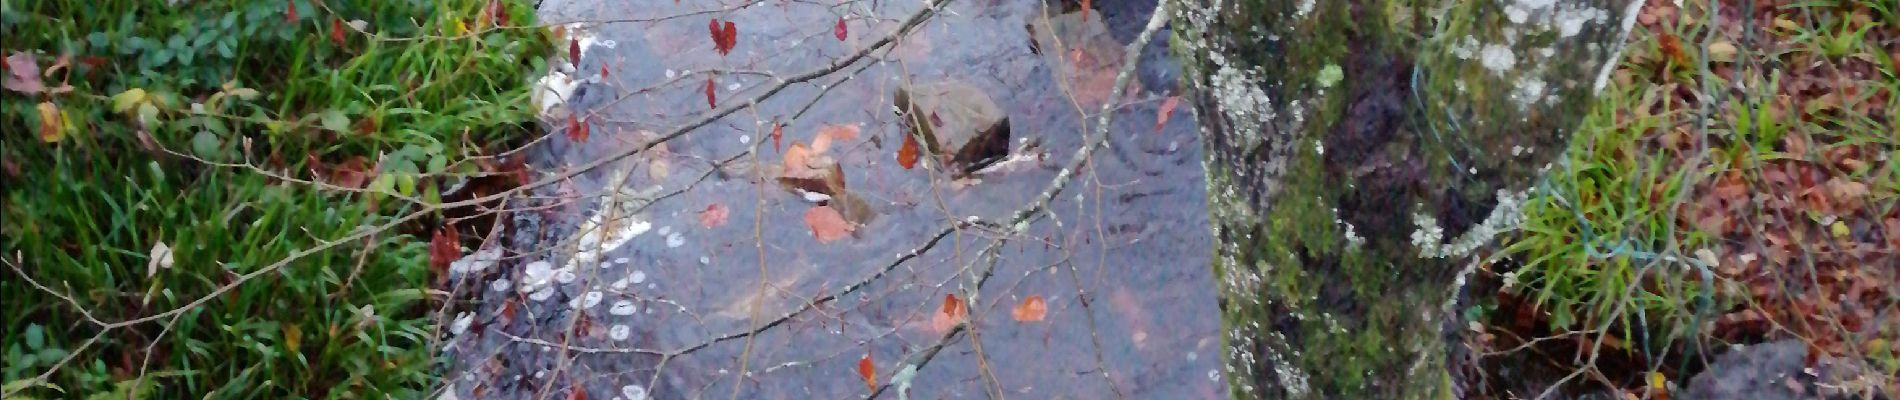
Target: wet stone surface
point(620, 281)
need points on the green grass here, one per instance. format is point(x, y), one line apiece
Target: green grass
point(236, 81)
point(1619, 213)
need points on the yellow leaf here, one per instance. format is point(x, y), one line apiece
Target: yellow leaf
point(293, 337)
point(50, 123)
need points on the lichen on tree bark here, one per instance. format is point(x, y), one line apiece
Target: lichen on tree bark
point(1358, 152)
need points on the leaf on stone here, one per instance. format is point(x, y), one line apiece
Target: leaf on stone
point(444, 248)
point(868, 371)
point(1167, 109)
point(732, 37)
point(23, 74)
point(953, 307)
point(907, 154)
point(159, 258)
point(576, 129)
point(714, 215)
point(826, 224)
point(839, 30)
point(778, 132)
point(711, 99)
point(831, 133)
point(50, 123)
point(574, 53)
point(1033, 308)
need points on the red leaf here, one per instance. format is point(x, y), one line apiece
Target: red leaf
point(579, 393)
point(1167, 109)
point(714, 215)
point(576, 129)
point(712, 100)
point(290, 14)
point(1033, 308)
point(496, 11)
point(839, 30)
point(713, 31)
point(827, 224)
point(907, 154)
point(868, 371)
point(732, 37)
point(574, 53)
point(603, 72)
point(336, 31)
point(778, 132)
point(444, 248)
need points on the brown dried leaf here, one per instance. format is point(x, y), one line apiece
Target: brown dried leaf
point(444, 248)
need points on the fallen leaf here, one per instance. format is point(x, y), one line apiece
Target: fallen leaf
point(953, 307)
point(797, 162)
point(574, 53)
point(290, 14)
point(579, 393)
point(508, 310)
point(444, 248)
point(1033, 308)
point(576, 129)
point(50, 123)
point(336, 31)
point(717, 35)
point(907, 154)
point(732, 37)
point(23, 74)
point(160, 258)
point(778, 132)
point(603, 72)
point(839, 132)
point(826, 224)
point(1167, 109)
point(714, 215)
point(352, 173)
point(839, 31)
point(868, 371)
point(711, 99)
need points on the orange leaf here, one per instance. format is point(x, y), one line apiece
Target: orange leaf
point(827, 224)
point(336, 31)
point(1167, 109)
point(711, 99)
point(907, 154)
point(714, 215)
point(953, 307)
point(868, 371)
point(1032, 309)
point(778, 132)
point(797, 161)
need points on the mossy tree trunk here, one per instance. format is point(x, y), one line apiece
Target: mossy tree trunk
point(1359, 151)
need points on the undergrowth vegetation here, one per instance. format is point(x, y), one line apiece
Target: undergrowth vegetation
point(156, 153)
point(1736, 184)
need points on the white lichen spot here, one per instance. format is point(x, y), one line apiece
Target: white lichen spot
point(619, 332)
point(623, 308)
point(1330, 75)
point(1305, 8)
point(633, 392)
point(462, 321)
point(1529, 90)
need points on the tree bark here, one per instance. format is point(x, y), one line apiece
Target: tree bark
point(1358, 153)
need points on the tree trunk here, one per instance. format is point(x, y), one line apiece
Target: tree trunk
point(1358, 152)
